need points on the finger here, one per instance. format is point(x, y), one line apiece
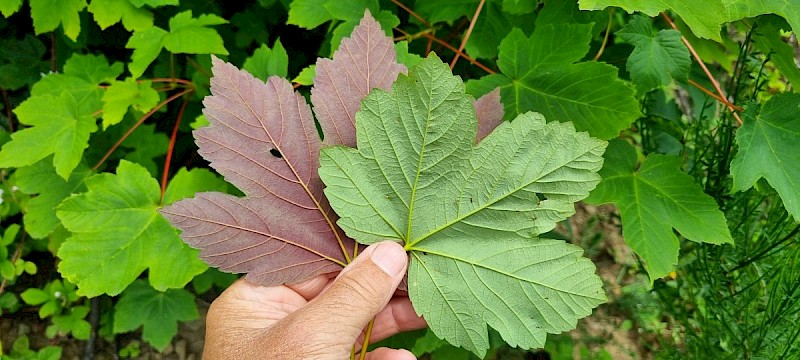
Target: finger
point(311, 288)
point(390, 354)
point(395, 318)
point(360, 291)
point(243, 303)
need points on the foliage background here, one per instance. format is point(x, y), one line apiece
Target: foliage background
point(99, 99)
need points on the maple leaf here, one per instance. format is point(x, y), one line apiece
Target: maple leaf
point(469, 215)
point(262, 138)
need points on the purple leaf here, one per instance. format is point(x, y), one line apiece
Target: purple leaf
point(263, 140)
point(365, 61)
point(489, 111)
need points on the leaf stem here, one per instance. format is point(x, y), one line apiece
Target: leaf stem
point(605, 37)
point(138, 123)
point(365, 343)
point(467, 35)
point(411, 12)
point(715, 96)
point(705, 69)
point(465, 56)
point(170, 148)
point(53, 67)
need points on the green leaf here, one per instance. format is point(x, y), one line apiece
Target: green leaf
point(404, 57)
point(309, 13)
point(788, 9)
point(9, 7)
point(768, 40)
point(306, 76)
point(58, 126)
point(469, 214)
point(653, 198)
point(21, 62)
point(266, 62)
point(192, 36)
point(117, 234)
point(110, 12)
point(445, 10)
point(539, 74)
point(146, 145)
point(658, 56)
point(92, 68)
point(188, 182)
point(158, 313)
point(154, 3)
point(34, 296)
point(768, 148)
point(124, 94)
point(703, 17)
point(71, 323)
point(41, 178)
point(146, 46)
point(48, 14)
point(186, 34)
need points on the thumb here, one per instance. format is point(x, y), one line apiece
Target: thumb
point(360, 291)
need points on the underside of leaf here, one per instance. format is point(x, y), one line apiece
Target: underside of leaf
point(469, 214)
point(263, 140)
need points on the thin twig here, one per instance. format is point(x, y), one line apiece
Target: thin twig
point(605, 37)
point(197, 66)
point(9, 113)
point(94, 321)
point(138, 123)
point(705, 69)
point(170, 148)
point(411, 12)
point(467, 35)
point(453, 49)
point(715, 96)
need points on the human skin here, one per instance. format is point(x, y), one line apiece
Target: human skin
point(321, 319)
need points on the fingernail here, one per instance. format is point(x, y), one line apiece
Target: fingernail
point(390, 257)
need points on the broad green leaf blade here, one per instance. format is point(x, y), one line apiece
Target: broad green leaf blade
point(48, 14)
point(158, 313)
point(418, 177)
point(788, 9)
point(117, 234)
point(538, 74)
point(309, 13)
point(768, 40)
point(523, 288)
point(154, 3)
point(122, 95)
point(110, 12)
point(768, 148)
point(654, 199)
point(58, 126)
point(267, 62)
point(41, 179)
point(703, 17)
point(306, 76)
point(193, 36)
point(658, 56)
point(188, 182)
point(21, 62)
point(9, 7)
point(146, 46)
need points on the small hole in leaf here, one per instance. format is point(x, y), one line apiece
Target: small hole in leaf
point(276, 153)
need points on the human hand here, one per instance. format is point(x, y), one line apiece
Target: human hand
point(320, 319)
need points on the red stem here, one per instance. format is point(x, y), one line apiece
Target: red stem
point(138, 123)
point(168, 159)
point(411, 12)
point(467, 35)
point(465, 56)
point(705, 69)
